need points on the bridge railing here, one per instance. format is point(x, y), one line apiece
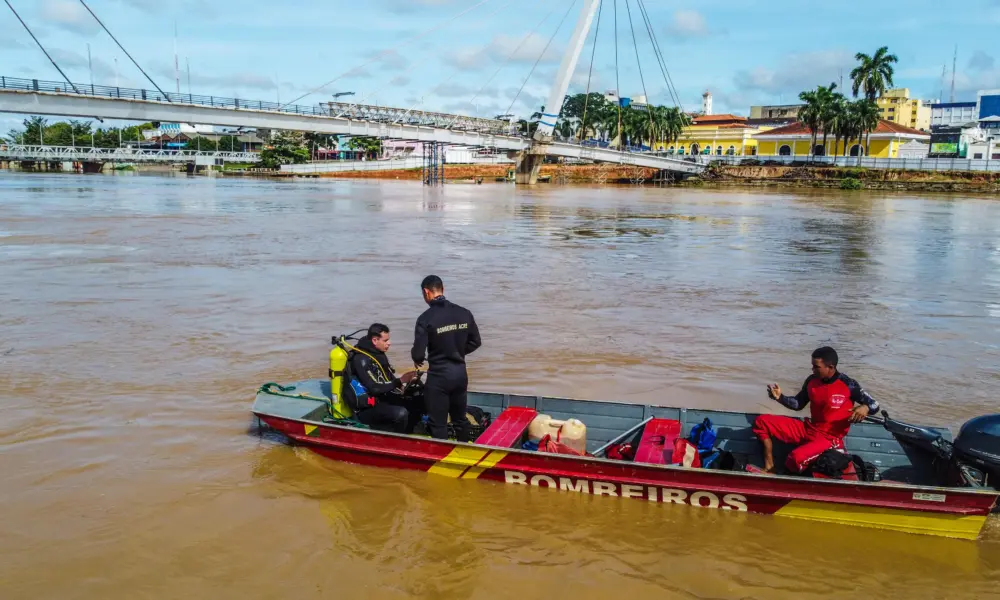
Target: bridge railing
point(327, 110)
point(57, 153)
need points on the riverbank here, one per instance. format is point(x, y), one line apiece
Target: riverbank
point(847, 178)
point(555, 173)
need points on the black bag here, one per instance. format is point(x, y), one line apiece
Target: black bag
point(478, 419)
point(831, 463)
point(724, 460)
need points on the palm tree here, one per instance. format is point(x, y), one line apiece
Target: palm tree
point(874, 73)
point(869, 116)
point(816, 111)
point(828, 101)
point(837, 116)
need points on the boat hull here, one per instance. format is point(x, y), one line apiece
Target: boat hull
point(947, 512)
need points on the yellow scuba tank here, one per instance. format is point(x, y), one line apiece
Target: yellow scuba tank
point(338, 363)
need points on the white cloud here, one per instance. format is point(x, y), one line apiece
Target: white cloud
point(69, 15)
point(688, 24)
point(519, 49)
point(798, 72)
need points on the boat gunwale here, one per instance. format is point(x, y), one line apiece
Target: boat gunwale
point(673, 468)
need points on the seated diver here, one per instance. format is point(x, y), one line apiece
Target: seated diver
point(380, 403)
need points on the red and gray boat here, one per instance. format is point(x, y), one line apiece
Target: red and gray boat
point(929, 483)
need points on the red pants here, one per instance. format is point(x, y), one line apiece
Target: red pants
point(811, 442)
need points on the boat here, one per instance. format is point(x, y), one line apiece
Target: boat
point(908, 497)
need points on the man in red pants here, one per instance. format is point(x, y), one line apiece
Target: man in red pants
point(831, 397)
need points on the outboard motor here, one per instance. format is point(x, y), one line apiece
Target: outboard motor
point(978, 445)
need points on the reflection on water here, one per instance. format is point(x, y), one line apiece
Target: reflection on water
point(140, 313)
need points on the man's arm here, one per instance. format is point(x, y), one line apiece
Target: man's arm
point(474, 341)
point(798, 401)
point(860, 396)
point(419, 343)
point(365, 370)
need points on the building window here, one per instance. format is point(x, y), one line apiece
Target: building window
point(977, 156)
point(718, 151)
point(785, 150)
point(731, 151)
point(856, 150)
point(819, 150)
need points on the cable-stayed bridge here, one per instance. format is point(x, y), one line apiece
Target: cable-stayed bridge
point(32, 96)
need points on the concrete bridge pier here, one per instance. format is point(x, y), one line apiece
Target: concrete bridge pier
point(528, 167)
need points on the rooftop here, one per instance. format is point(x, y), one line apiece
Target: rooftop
point(800, 128)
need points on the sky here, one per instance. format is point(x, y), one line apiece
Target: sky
point(488, 57)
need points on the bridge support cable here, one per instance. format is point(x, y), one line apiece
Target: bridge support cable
point(590, 74)
point(99, 22)
point(618, 92)
point(658, 52)
point(379, 56)
point(510, 56)
point(635, 44)
point(539, 59)
point(40, 46)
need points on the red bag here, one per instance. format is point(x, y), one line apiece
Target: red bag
point(621, 452)
point(547, 444)
point(685, 454)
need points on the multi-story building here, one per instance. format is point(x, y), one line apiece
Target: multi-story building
point(952, 114)
point(987, 104)
point(897, 107)
point(776, 111)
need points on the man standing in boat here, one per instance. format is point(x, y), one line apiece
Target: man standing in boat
point(445, 333)
point(832, 397)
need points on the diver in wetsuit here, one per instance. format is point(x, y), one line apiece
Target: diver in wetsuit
point(446, 333)
point(384, 405)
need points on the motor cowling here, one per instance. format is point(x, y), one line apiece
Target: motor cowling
point(978, 444)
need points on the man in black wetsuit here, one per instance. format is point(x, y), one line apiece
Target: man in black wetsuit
point(384, 407)
point(446, 333)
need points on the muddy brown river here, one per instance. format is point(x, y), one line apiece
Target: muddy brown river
point(140, 313)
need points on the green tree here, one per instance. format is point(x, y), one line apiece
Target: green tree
point(229, 143)
point(287, 147)
point(201, 144)
point(873, 75)
point(370, 146)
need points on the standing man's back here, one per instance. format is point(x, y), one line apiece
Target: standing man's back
point(445, 333)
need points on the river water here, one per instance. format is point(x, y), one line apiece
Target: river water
point(140, 313)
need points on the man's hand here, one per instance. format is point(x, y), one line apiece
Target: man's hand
point(859, 414)
point(774, 391)
point(419, 365)
point(407, 377)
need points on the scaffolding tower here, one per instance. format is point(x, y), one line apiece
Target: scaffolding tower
point(432, 172)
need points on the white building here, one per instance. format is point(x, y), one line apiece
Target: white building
point(706, 103)
point(952, 114)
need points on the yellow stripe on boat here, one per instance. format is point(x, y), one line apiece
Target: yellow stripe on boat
point(457, 461)
point(964, 527)
point(488, 462)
